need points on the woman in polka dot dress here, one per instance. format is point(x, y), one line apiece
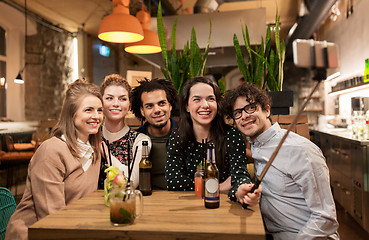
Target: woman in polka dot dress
point(201, 118)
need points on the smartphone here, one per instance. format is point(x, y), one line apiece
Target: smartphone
point(311, 54)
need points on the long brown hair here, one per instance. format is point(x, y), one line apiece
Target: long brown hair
point(217, 130)
point(75, 93)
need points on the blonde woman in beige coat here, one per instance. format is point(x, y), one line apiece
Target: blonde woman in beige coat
point(65, 167)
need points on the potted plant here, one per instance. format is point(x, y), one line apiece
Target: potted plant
point(265, 66)
point(182, 65)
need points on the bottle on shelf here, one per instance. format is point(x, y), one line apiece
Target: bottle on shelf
point(145, 171)
point(366, 70)
point(211, 174)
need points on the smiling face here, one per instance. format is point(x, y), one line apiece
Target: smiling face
point(156, 108)
point(116, 103)
point(88, 117)
point(202, 104)
point(253, 124)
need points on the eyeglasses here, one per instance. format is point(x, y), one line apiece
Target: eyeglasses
point(251, 108)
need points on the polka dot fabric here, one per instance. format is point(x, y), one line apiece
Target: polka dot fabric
point(181, 163)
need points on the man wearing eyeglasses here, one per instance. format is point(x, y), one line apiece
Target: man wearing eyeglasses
point(296, 201)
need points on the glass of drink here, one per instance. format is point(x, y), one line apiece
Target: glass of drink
point(123, 205)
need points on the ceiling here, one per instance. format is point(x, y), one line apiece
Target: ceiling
point(73, 15)
point(76, 15)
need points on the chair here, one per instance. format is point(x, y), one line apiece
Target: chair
point(47, 125)
point(7, 208)
point(39, 137)
point(17, 147)
point(301, 127)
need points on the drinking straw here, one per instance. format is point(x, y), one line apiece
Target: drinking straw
point(108, 144)
point(202, 152)
point(130, 165)
point(102, 144)
point(205, 148)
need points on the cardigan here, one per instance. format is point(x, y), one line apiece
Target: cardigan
point(122, 146)
point(55, 179)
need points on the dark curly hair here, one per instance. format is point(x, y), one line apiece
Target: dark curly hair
point(253, 94)
point(149, 86)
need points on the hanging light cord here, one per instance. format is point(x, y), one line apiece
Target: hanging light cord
point(25, 34)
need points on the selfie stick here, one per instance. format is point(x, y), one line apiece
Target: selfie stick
point(320, 74)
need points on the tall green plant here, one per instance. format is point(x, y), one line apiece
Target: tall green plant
point(186, 64)
point(265, 66)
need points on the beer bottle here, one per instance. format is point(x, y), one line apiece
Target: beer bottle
point(145, 171)
point(211, 180)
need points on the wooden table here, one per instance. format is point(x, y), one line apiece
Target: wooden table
point(167, 215)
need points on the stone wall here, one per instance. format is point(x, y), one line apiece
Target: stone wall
point(47, 73)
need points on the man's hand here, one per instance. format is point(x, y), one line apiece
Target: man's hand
point(244, 196)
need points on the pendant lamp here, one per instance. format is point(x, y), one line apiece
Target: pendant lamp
point(120, 26)
point(18, 79)
point(150, 43)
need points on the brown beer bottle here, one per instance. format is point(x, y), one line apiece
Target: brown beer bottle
point(145, 171)
point(211, 175)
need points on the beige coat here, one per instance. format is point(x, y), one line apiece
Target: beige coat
point(55, 179)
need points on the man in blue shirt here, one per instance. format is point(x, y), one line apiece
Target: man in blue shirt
point(296, 201)
point(153, 101)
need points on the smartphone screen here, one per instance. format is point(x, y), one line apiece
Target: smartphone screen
point(311, 54)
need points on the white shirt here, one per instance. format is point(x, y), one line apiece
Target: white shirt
point(296, 201)
point(86, 153)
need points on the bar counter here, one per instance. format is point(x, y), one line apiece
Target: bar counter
point(167, 215)
point(348, 163)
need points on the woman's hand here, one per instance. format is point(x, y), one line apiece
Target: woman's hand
point(225, 186)
point(244, 196)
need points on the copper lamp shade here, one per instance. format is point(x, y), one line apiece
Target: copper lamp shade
point(120, 26)
point(150, 43)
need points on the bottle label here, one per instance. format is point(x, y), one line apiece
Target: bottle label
point(212, 189)
point(212, 185)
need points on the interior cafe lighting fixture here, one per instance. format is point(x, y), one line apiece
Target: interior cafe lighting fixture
point(150, 43)
point(19, 78)
point(120, 26)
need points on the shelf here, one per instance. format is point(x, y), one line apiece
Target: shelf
point(314, 110)
point(350, 89)
point(313, 97)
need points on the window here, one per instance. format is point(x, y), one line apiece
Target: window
point(2, 73)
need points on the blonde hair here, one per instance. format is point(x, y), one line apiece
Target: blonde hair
point(75, 92)
point(115, 80)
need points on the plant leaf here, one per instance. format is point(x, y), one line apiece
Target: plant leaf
point(162, 36)
point(239, 57)
point(206, 50)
